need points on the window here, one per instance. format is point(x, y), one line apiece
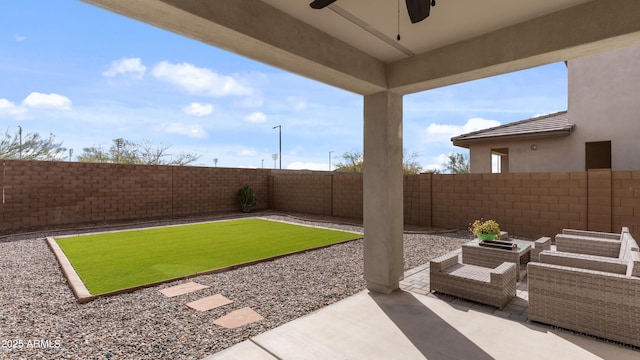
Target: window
point(598, 155)
point(500, 160)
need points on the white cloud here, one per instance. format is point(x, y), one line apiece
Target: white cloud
point(247, 152)
point(7, 107)
point(256, 117)
point(197, 80)
point(297, 103)
point(298, 165)
point(194, 130)
point(442, 133)
point(127, 67)
point(47, 101)
point(20, 38)
point(198, 109)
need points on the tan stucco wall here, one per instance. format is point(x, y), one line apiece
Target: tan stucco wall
point(523, 159)
point(604, 104)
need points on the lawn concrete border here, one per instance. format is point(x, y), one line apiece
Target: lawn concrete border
point(77, 286)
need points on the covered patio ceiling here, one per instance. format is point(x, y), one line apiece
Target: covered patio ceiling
point(351, 44)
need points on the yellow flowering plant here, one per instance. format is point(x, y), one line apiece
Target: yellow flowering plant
point(485, 227)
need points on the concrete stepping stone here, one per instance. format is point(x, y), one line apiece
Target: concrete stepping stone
point(209, 302)
point(238, 318)
point(182, 289)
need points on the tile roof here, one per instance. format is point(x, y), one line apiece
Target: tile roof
point(551, 125)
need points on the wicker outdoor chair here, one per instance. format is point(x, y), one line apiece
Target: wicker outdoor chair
point(592, 294)
point(495, 287)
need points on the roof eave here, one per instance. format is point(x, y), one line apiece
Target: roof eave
point(466, 143)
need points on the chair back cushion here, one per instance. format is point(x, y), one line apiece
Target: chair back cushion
point(588, 245)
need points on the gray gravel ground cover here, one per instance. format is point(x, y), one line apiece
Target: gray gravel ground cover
point(41, 319)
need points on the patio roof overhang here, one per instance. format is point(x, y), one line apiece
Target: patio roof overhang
point(357, 51)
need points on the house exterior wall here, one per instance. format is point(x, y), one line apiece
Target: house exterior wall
point(604, 105)
point(523, 159)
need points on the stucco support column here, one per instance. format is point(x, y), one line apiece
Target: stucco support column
point(383, 196)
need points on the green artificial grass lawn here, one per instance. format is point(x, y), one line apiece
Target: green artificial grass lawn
point(119, 260)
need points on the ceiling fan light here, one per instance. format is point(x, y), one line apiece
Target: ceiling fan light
point(418, 10)
point(319, 4)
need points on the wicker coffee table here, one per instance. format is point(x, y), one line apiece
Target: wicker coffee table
point(475, 254)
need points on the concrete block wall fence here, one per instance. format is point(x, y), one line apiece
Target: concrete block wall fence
point(527, 204)
point(304, 192)
point(417, 200)
point(49, 195)
point(625, 201)
point(317, 192)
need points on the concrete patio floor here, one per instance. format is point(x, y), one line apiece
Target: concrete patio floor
point(414, 324)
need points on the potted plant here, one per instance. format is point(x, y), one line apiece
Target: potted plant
point(485, 230)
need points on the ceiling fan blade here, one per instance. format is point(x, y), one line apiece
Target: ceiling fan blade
point(418, 10)
point(320, 4)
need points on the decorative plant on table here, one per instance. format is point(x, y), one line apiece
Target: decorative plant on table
point(485, 230)
point(247, 198)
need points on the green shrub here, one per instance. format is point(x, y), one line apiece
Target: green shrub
point(247, 198)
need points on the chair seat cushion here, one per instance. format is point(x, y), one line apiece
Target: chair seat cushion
point(471, 272)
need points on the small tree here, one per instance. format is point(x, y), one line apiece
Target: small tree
point(457, 163)
point(410, 163)
point(247, 198)
point(354, 162)
point(128, 152)
point(30, 146)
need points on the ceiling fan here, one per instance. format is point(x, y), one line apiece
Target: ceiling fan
point(418, 9)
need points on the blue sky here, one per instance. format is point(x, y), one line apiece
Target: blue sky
point(89, 76)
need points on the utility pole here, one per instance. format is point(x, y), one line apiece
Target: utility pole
point(119, 143)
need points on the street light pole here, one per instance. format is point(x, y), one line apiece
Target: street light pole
point(280, 143)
